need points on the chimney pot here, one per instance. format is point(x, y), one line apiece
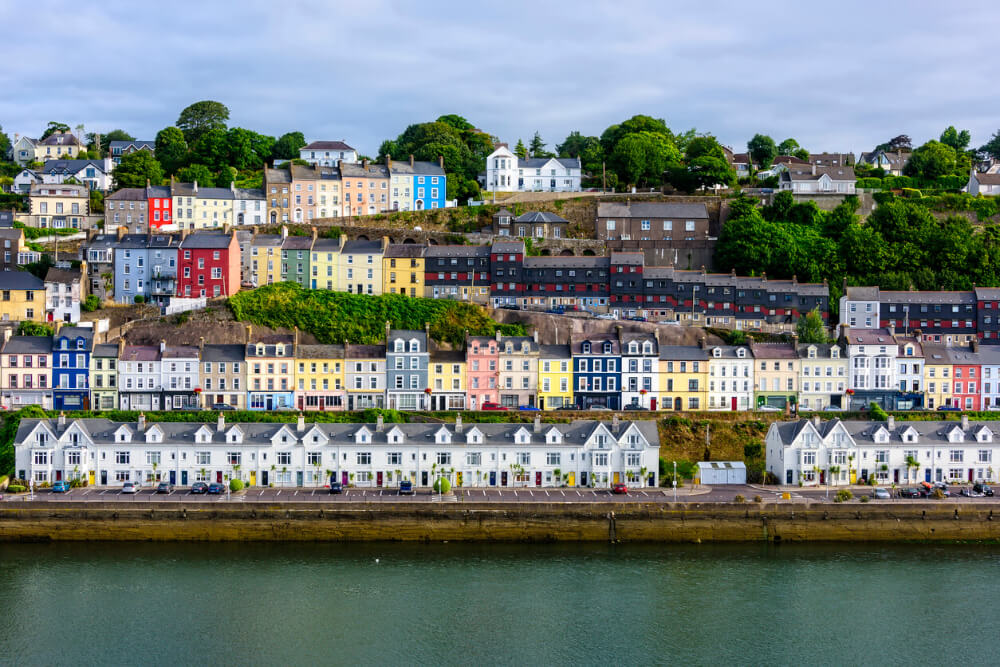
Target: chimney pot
point(817, 421)
point(538, 424)
point(379, 423)
point(965, 422)
point(220, 425)
point(890, 422)
point(458, 423)
point(142, 421)
point(301, 423)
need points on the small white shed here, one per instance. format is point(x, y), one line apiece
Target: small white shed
point(722, 472)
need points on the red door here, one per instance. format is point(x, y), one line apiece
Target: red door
point(971, 474)
point(538, 479)
point(734, 402)
point(218, 476)
point(652, 404)
point(378, 478)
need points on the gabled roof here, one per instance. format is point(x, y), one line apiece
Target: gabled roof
point(20, 280)
point(541, 216)
point(326, 146)
point(652, 210)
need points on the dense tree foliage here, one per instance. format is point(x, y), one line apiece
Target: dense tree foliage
point(957, 140)
point(810, 328)
point(53, 127)
point(171, 149)
point(900, 246)
point(537, 147)
point(135, 169)
point(200, 117)
point(337, 317)
point(287, 146)
point(899, 142)
point(4, 144)
point(704, 165)
point(936, 159)
point(762, 150)
point(992, 147)
point(197, 173)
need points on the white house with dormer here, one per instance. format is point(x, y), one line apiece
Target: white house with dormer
point(730, 377)
point(505, 172)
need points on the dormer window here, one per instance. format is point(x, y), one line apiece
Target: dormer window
point(647, 348)
point(607, 348)
point(633, 348)
point(716, 352)
point(741, 353)
point(414, 346)
point(812, 352)
point(398, 347)
point(509, 349)
point(585, 348)
point(524, 348)
point(260, 350)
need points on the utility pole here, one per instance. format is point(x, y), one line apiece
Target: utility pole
point(604, 177)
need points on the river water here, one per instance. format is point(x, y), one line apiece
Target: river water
point(140, 603)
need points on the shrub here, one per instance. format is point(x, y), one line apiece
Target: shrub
point(877, 412)
point(739, 499)
point(442, 485)
point(235, 485)
point(870, 183)
point(758, 499)
point(139, 299)
point(864, 499)
point(842, 496)
point(753, 450)
point(937, 494)
point(16, 488)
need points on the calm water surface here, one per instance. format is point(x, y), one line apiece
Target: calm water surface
point(486, 604)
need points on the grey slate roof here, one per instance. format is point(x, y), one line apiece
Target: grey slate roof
point(326, 146)
point(297, 243)
point(180, 352)
point(457, 251)
point(417, 169)
point(554, 351)
point(69, 166)
point(127, 194)
point(319, 352)
point(28, 345)
point(364, 351)
point(597, 342)
point(357, 170)
point(541, 216)
point(106, 350)
point(223, 352)
point(730, 351)
point(140, 353)
point(652, 210)
point(19, 280)
point(267, 240)
point(405, 250)
point(536, 162)
point(6, 218)
point(683, 353)
point(206, 240)
point(558, 262)
point(362, 248)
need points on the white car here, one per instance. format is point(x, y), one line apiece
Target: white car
point(607, 316)
point(768, 408)
point(833, 408)
point(130, 487)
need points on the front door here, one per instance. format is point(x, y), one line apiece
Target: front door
point(927, 475)
point(734, 403)
point(618, 478)
point(343, 478)
point(678, 404)
point(503, 478)
point(378, 478)
point(788, 477)
point(538, 478)
point(173, 477)
point(895, 476)
point(571, 480)
point(58, 475)
point(104, 478)
point(971, 471)
point(184, 477)
point(298, 478)
point(493, 478)
point(822, 477)
point(541, 402)
point(253, 478)
point(652, 404)
point(583, 478)
point(90, 478)
point(423, 478)
point(218, 476)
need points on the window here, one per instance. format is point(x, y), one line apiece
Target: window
point(364, 458)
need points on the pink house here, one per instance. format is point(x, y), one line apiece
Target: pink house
point(482, 370)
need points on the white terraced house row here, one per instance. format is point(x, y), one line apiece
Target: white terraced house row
point(103, 452)
point(812, 452)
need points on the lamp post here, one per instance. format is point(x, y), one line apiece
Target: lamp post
point(675, 481)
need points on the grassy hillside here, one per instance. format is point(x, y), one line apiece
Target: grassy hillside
point(337, 317)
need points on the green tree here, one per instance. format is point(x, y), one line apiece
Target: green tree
point(957, 140)
point(54, 127)
point(28, 328)
point(200, 117)
point(704, 165)
point(801, 154)
point(212, 149)
point(197, 173)
point(537, 147)
point(810, 327)
point(932, 160)
point(788, 147)
point(106, 139)
point(520, 151)
point(135, 169)
point(762, 150)
point(992, 147)
point(287, 146)
point(171, 149)
point(899, 142)
point(641, 158)
point(225, 177)
point(244, 149)
point(4, 144)
point(639, 123)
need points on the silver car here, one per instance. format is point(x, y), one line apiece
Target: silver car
point(130, 487)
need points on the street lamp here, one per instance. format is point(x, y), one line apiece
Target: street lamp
point(675, 481)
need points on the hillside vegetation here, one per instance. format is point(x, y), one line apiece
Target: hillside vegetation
point(337, 317)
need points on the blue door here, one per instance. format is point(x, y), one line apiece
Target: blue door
point(314, 283)
point(184, 477)
point(173, 477)
point(927, 475)
point(298, 478)
point(493, 478)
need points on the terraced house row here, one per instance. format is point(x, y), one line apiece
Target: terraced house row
point(617, 371)
point(580, 453)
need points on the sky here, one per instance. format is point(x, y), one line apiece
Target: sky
point(840, 76)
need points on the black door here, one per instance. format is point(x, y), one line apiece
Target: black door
point(423, 478)
point(788, 477)
point(263, 477)
point(104, 478)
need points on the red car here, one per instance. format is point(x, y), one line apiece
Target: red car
point(493, 406)
point(619, 488)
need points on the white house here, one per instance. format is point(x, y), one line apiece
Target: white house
point(859, 308)
point(64, 289)
point(22, 151)
point(505, 172)
point(327, 153)
point(640, 368)
point(989, 357)
point(813, 179)
point(580, 453)
point(95, 174)
point(983, 184)
point(822, 376)
point(872, 367)
point(730, 378)
point(810, 452)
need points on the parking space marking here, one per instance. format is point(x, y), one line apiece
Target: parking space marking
point(296, 493)
point(563, 492)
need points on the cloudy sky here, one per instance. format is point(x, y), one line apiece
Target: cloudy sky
point(839, 76)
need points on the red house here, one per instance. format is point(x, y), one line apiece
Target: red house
point(208, 264)
point(966, 376)
point(159, 203)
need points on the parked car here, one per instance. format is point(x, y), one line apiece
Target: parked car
point(406, 488)
point(511, 307)
point(336, 487)
point(130, 487)
point(607, 316)
point(215, 489)
point(634, 407)
point(602, 408)
point(983, 489)
point(556, 310)
point(199, 487)
point(492, 406)
point(638, 318)
point(222, 406)
point(833, 408)
point(909, 493)
point(60, 486)
point(949, 408)
point(881, 494)
point(164, 487)
point(527, 407)
point(768, 408)
point(970, 492)
point(619, 489)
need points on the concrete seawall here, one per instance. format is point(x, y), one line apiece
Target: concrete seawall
point(537, 522)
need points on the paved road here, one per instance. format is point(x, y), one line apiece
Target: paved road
point(719, 494)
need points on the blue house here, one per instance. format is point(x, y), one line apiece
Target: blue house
point(145, 265)
point(71, 348)
point(427, 181)
point(597, 366)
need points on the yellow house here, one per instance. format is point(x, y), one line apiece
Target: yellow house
point(403, 269)
point(265, 258)
point(938, 379)
point(325, 264)
point(446, 378)
point(197, 207)
point(555, 377)
point(361, 266)
point(57, 146)
point(22, 297)
point(319, 377)
point(776, 374)
point(683, 378)
point(62, 206)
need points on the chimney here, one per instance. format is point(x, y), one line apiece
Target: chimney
point(62, 420)
point(196, 188)
point(343, 241)
point(220, 425)
point(121, 347)
point(538, 424)
point(141, 424)
point(315, 234)
point(534, 335)
point(364, 163)
point(427, 332)
point(379, 423)
point(388, 161)
point(965, 422)
point(163, 345)
point(974, 345)
point(284, 232)
point(458, 423)
point(890, 422)
point(498, 335)
point(441, 161)
point(57, 325)
point(817, 421)
point(7, 333)
point(615, 424)
point(656, 335)
point(201, 347)
point(301, 423)
point(295, 341)
point(411, 159)
point(249, 333)
point(184, 233)
point(892, 329)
